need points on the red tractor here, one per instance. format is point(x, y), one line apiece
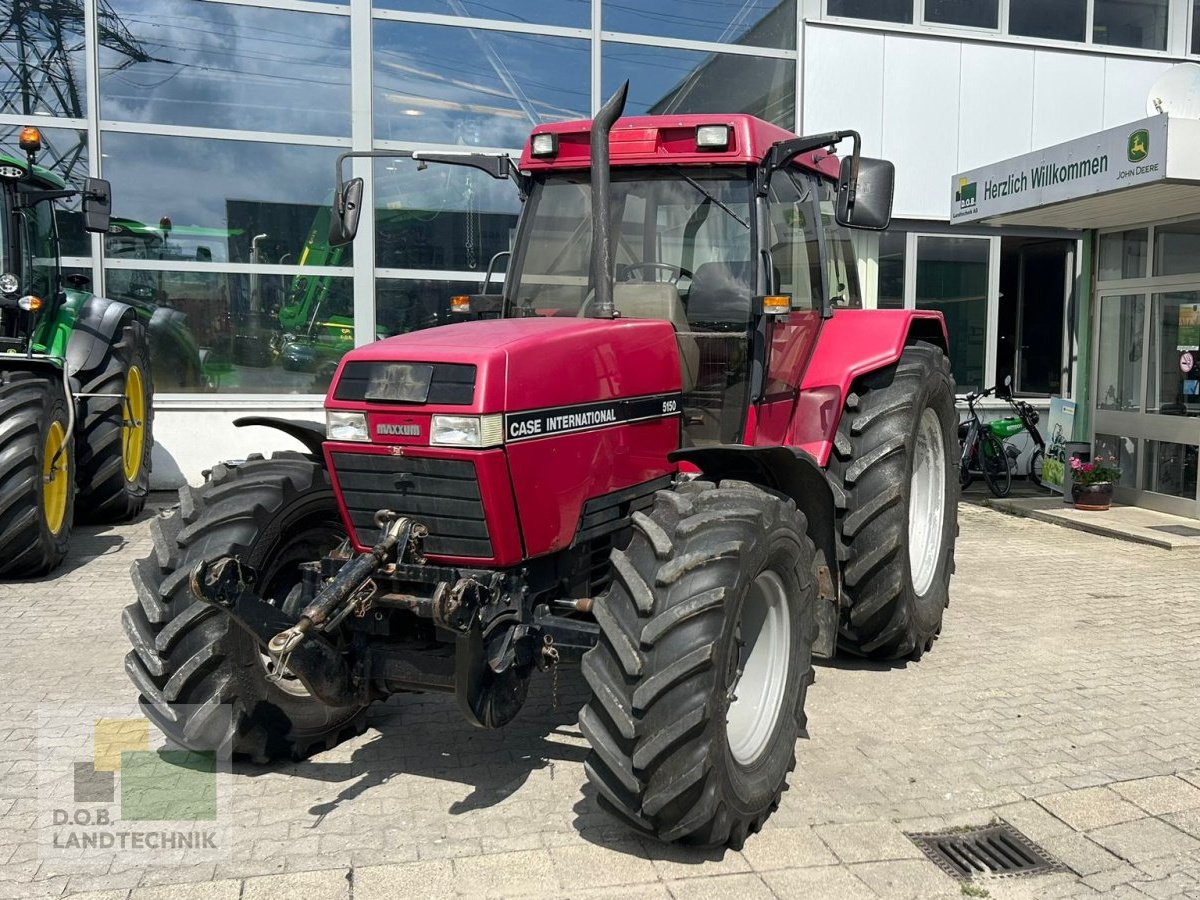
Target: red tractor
point(671, 448)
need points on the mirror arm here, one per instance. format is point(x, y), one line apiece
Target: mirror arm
point(783, 152)
point(30, 199)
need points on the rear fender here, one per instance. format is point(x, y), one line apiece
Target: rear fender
point(854, 343)
point(795, 474)
point(96, 327)
point(310, 434)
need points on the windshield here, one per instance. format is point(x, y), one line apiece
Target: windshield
point(681, 247)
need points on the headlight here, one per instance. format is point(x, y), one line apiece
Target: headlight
point(346, 426)
point(467, 431)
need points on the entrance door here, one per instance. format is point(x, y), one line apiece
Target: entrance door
point(1035, 289)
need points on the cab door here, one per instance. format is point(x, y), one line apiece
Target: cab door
point(792, 244)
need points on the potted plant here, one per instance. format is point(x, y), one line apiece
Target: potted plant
point(1092, 482)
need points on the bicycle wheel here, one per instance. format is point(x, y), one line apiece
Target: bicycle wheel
point(1036, 463)
point(994, 463)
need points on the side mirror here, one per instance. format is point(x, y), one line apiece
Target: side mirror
point(97, 205)
point(343, 217)
point(1008, 381)
point(870, 205)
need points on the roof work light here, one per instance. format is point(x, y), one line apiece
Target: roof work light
point(544, 144)
point(712, 137)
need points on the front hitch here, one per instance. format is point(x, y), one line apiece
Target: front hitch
point(300, 647)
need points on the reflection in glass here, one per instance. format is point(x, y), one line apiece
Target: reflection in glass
point(1119, 355)
point(1174, 371)
point(952, 277)
point(1122, 254)
point(41, 56)
point(1177, 248)
point(1059, 20)
point(404, 305)
point(442, 217)
point(1124, 23)
point(471, 86)
point(65, 153)
point(891, 269)
point(757, 23)
point(972, 13)
point(215, 331)
point(226, 66)
point(663, 81)
point(882, 10)
point(232, 204)
point(1171, 469)
point(1120, 451)
point(566, 13)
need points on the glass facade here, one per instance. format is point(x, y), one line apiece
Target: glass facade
point(219, 123)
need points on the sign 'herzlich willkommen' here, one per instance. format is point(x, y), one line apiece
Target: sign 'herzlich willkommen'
point(1106, 161)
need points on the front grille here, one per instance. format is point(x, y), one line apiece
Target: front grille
point(451, 384)
point(442, 494)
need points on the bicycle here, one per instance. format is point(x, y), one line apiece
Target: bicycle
point(982, 451)
point(1026, 419)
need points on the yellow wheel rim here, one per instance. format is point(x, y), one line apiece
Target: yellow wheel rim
point(133, 427)
point(56, 477)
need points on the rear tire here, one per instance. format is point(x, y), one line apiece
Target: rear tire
point(114, 453)
point(187, 657)
point(896, 573)
point(35, 513)
point(693, 736)
point(1037, 463)
point(994, 463)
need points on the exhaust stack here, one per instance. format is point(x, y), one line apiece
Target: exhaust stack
point(602, 264)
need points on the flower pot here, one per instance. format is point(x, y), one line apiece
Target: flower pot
point(1092, 496)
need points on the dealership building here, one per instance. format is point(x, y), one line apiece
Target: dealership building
point(218, 123)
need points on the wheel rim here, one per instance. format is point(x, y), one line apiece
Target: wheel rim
point(758, 680)
point(133, 424)
point(56, 479)
point(926, 503)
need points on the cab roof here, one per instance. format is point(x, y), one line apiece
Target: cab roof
point(45, 177)
point(661, 140)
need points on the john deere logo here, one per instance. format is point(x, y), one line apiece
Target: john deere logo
point(966, 195)
point(1139, 145)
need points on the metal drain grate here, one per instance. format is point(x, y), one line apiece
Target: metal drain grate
point(990, 850)
point(1181, 530)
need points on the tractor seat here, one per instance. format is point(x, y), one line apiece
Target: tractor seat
point(659, 300)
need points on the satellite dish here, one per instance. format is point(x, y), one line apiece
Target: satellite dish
point(1176, 92)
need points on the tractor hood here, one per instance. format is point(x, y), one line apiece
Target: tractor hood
point(510, 365)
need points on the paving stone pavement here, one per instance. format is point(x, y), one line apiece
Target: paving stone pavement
point(1063, 697)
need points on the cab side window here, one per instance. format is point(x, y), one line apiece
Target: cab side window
point(40, 251)
point(793, 239)
point(842, 269)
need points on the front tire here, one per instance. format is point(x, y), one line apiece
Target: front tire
point(37, 465)
point(699, 679)
point(896, 457)
point(188, 659)
point(1037, 463)
point(115, 433)
point(993, 461)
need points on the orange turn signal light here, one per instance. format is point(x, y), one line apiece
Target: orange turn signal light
point(460, 303)
point(30, 139)
point(776, 304)
point(30, 303)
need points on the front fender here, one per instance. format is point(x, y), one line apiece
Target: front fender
point(310, 434)
point(793, 473)
point(96, 326)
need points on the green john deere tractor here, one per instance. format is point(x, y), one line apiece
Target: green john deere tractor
point(75, 385)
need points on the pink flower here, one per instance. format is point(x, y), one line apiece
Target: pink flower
point(1075, 463)
point(1090, 467)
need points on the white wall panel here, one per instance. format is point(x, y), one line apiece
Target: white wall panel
point(921, 120)
point(843, 84)
point(1068, 96)
point(995, 97)
point(1127, 83)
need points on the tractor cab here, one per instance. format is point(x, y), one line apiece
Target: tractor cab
point(726, 227)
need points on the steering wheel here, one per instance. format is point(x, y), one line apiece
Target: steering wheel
point(677, 272)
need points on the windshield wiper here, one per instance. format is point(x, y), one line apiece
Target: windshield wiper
point(698, 186)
